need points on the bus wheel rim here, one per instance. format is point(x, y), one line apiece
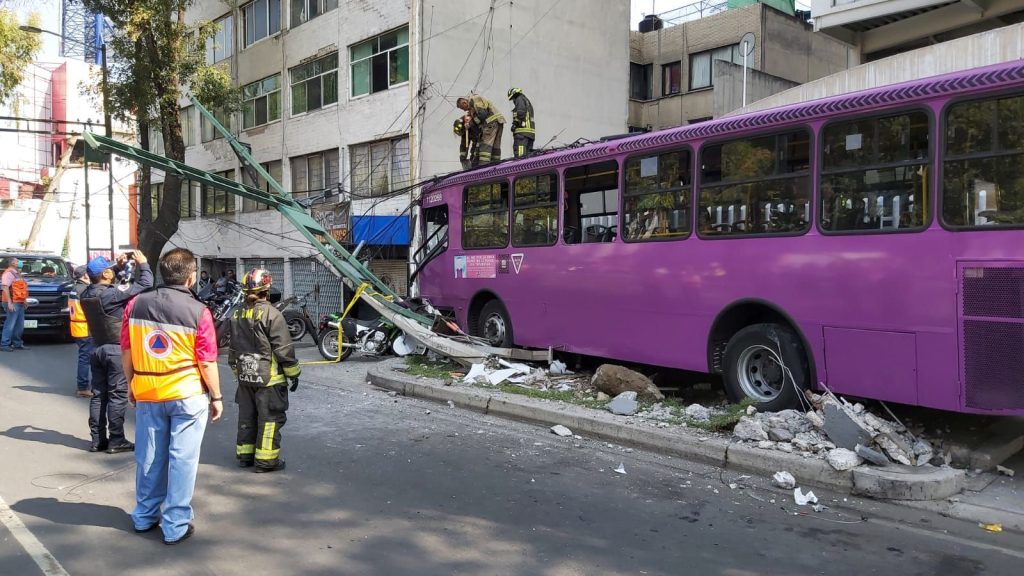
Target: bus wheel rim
point(494, 329)
point(759, 374)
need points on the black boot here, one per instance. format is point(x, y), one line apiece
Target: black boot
point(274, 468)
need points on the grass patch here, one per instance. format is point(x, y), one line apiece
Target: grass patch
point(567, 396)
point(423, 366)
point(725, 421)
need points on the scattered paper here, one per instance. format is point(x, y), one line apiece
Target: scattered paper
point(1005, 471)
point(621, 469)
point(475, 372)
point(521, 368)
point(558, 367)
point(499, 376)
point(802, 499)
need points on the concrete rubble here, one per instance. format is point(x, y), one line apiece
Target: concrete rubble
point(560, 430)
point(624, 404)
point(614, 380)
point(784, 480)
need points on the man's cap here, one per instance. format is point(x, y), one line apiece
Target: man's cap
point(98, 264)
point(81, 270)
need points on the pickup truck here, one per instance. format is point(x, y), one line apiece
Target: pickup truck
point(49, 283)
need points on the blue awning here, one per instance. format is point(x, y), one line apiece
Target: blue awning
point(381, 230)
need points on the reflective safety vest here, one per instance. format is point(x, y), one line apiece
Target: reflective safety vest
point(79, 325)
point(523, 116)
point(484, 112)
point(162, 325)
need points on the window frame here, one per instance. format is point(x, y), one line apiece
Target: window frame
point(231, 41)
point(647, 71)
point(320, 76)
point(229, 198)
point(690, 192)
point(664, 85)
point(186, 115)
point(251, 206)
point(243, 37)
point(325, 167)
point(940, 156)
point(819, 162)
point(556, 205)
point(464, 213)
point(263, 95)
point(320, 4)
point(564, 198)
point(216, 134)
point(368, 192)
point(711, 66)
point(698, 185)
point(352, 62)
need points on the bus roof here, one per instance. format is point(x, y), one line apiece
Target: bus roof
point(976, 79)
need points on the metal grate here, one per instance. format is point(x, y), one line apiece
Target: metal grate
point(992, 335)
point(307, 275)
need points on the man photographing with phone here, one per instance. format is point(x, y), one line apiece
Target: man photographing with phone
point(103, 304)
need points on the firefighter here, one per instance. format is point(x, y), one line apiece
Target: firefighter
point(262, 358)
point(80, 330)
point(524, 129)
point(485, 116)
point(469, 143)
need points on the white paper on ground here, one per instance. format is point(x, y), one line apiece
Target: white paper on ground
point(804, 499)
point(521, 368)
point(499, 376)
point(475, 371)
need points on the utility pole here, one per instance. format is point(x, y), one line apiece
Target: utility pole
point(109, 134)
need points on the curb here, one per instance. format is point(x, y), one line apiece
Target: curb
point(883, 483)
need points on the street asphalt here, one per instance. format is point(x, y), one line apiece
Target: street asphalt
point(387, 485)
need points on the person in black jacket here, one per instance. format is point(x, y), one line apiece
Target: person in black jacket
point(262, 358)
point(524, 129)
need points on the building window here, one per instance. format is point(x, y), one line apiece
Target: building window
point(220, 45)
point(187, 206)
point(209, 133)
point(874, 174)
point(272, 168)
point(702, 64)
point(535, 217)
point(314, 84)
point(380, 63)
point(156, 141)
point(640, 81)
point(260, 19)
point(315, 176)
point(379, 168)
point(657, 197)
point(485, 216)
point(261, 102)
point(306, 10)
point(217, 201)
point(983, 164)
point(156, 196)
point(758, 185)
point(186, 116)
point(671, 78)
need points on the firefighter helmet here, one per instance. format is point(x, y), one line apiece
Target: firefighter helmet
point(513, 92)
point(458, 127)
point(256, 280)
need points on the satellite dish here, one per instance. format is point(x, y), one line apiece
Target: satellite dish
point(747, 43)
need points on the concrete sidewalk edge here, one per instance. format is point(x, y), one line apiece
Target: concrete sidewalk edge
point(684, 443)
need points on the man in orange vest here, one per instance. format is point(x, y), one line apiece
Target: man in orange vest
point(80, 330)
point(169, 353)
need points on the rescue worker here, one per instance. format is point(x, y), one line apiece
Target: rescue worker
point(262, 357)
point(80, 330)
point(469, 143)
point(485, 116)
point(104, 305)
point(523, 127)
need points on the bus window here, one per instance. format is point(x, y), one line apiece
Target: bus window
point(874, 174)
point(535, 214)
point(591, 203)
point(657, 197)
point(485, 216)
point(756, 185)
point(435, 226)
point(983, 165)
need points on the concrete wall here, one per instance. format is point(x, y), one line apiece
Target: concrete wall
point(1001, 45)
point(728, 93)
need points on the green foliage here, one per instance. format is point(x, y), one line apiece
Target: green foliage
point(423, 366)
point(17, 50)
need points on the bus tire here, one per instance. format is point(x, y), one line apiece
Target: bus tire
point(751, 367)
point(495, 325)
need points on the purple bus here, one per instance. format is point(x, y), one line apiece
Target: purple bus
point(872, 243)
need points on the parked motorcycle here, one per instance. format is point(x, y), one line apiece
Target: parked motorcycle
point(294, 309)
point(371, 337)
point(221, 305)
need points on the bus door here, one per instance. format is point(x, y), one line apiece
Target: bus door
point(435, 238)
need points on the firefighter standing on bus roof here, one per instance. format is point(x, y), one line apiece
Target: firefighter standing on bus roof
point(524, 130)
point(469, 143)
point(491, 123)
point(262, 357)
point(80, 330)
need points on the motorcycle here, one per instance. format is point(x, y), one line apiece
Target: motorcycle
point(371, 337)
point(294, 309)
point(221, 305)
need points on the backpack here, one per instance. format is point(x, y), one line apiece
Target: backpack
point(19, 290)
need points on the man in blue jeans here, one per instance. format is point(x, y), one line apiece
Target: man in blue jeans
point(80, 331)
point(169, 353)
point(15, 293)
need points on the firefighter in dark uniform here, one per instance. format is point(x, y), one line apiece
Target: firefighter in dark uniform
point(524, 129)
point(104, 303)
point(262, 358)
point(469, 143)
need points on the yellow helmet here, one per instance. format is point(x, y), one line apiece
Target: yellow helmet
point(513, 92)
point(458, 127)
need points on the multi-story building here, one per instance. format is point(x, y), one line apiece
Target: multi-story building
point(40, 148)
point(349, 104)
point(686, 65)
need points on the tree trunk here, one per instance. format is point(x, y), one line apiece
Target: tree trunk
point(52, 185)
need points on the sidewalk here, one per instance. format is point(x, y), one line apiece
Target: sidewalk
point(949, 492)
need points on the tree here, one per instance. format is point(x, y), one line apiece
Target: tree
point(153, 57)
point(17, 50)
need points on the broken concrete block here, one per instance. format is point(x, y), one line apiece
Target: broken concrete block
point(766, 444)
point(843, 459)
point(893, 450)
point(749, 429)
point(784, 480)
point(751, 410)
point(602, 397)
point(614, 380)
point(697, 412)
point(780, 435)
point(560, 430)
point(1005, 471)
point(624, 404)
point(784, 447)
point(815, 419)
point(844, 428)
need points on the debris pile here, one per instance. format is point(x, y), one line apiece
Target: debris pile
point(844, 434)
